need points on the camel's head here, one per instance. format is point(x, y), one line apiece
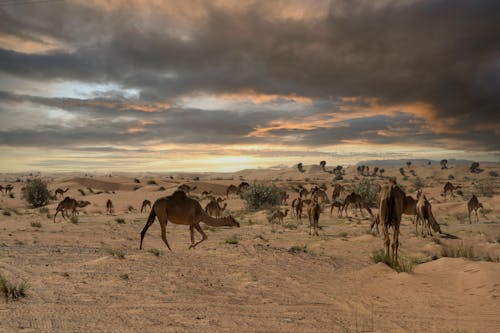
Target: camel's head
point(231, 222)
point(83, 204)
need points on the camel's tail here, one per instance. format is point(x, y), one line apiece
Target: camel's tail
point(150, 221)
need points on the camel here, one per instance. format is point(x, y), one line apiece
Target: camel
point(410, 208)
point(66, 205)
point(185, 188)
point(243, 187)
point(284, 198)
point(320, 194)
point(8, 188)
point(145, 204)
point(277, 216)
point(82, 204)
point(337, 190)
point(303, 193)
point(1, 189)
point(299, 206)
point(390, 211)
point(474, 205)
point(339, 206)
point(205, 194)
point(313, 212)
point(354, 199)
point(231, 189)
point(213, 209)
point(424, 213)
point(60, 191)
point(109, 207)
point(448, 187)
point(179, 209)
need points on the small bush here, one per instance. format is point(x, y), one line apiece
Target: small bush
point(136, 188)
point(233, 240)
point(36, 224)
point(152, 182)
point(161, 188)
point(458, 251)
point(368, 190)
point(74, 219)
point(404, 265)
point(11, 195)
point(6, 213)
point(155, 251)
point(120, 220)
point(36, 193)
point(120, 254)
point(418, 183)
point(484, 189)
point(44, 210)
point(124, 276)
point(136, 180)
point(451, 177)
point(11, 290)
point(298, 249)
point(259, 196)
point(130, 208)
point(493, 174)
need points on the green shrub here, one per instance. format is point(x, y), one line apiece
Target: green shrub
point(403, 264)
point(259, 196)
point(155, 251)
point(458, 251)
point(11, 290)
point(233, 240)
point(36, 193)
point(493, 174)
point(418, 183)
point(36, 224)
point(368, 190)
point(298, 249)
point(484, 189)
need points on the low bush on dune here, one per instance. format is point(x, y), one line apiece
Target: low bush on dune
point(367, 189)
point(152, 182)
point(36, 193)
point(458, 251)
point(493, 174)
point(403, 264)
point(11, 290)
point(259, 196)
point(484, 189)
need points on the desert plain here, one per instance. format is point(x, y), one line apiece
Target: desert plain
point(88, 274)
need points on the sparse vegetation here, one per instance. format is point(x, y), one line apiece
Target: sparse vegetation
point(451, 177)
point(120, 220)
point(259, 196)
point(74, 219)
point(130, 208)
point(136, 180)
point(11, 195)
point(124, 276)
point(36, 224)
point(493, 174)
point(484, 189)
point(403, 265)
point(152, 182)
point(136, 188)
point(36, 193)
point(298, 249)
point(155, 251)
point(233, 240)
point(161, 188)
point(367, 189)
point(418, 183)
point(117, 253)
point(6, 213)
point(11, 290)
point(459, 250)
point(44, 210)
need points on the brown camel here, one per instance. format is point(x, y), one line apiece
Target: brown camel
point(424, 214)
point(8, 188)
point(313, 212)
point(185, 188)
point(337, 191)
point(390, 211)
point(213, 209)
point(82, 204)
point(284, 198)
point(448, 187)
point(303, 193)
point(354, 199)
point(66, 205)
point(179, 209)
point(60, 192)
point(1, 189)
point(474, 205)
point(320, 196)
point(231, 189)
point(145, 204)
point(277, 216)
point(299, 207)
point(109, 207)
point(243, 187)
point(410, 208)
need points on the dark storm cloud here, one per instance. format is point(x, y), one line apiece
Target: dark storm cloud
point(444, 52)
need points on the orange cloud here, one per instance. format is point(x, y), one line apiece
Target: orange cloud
point(35, 44)
point(256, 98)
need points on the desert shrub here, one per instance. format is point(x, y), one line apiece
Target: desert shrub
point(493, 174)
point(155, 251)
point(136, 188)
point(259, 196)
point(418, 183)
point(233, 240)
point(44, 210)
point(74, 219)
point(403, 264)
point(484, 189)
point(161, 188)
point(11, 290)
point(36, 193)
point(120, 254)
point(130, 208)
point(451, 177)
point(458, 251)
point(36, 224)
point(11, 195)
point(368, 190)
point(298, 249)
point(120, 220)
point(152, 182)
point(6, 213)
point(136, 180)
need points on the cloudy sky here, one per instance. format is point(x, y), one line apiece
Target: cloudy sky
point(158, 85)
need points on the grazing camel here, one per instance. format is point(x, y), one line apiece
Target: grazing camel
point(179, 209)
point(313, 212)
point(213, 209)
point(390, 211)
point(109, 207)
point(231, 189)
point(303, 193)
point(354, 199)
point(145, 204)
point(66, 205)
point(321, 194)
point(339, 206)
point(474, 205)
point(410, 207)
point(424, 213)
point(299, 206)
point(185, 188)
point(8, 188)
point(60, 192)
point(448, 187)
point(337, 191)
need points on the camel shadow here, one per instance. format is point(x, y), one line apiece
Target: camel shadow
point(448, 236)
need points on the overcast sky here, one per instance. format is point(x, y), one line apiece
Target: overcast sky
point(226, 85)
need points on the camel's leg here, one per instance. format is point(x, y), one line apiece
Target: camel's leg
point(191, 231)
point(331, 211)
point(316, 227)
point(163, 226)
point(395, 244)
point(387, 241)
point(203, 235)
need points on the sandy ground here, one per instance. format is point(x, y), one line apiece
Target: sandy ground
point(255, 285)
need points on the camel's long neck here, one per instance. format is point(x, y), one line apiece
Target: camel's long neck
point(214, 222)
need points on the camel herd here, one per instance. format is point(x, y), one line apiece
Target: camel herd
point(392, 203)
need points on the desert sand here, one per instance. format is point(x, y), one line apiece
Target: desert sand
point(248, 279)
